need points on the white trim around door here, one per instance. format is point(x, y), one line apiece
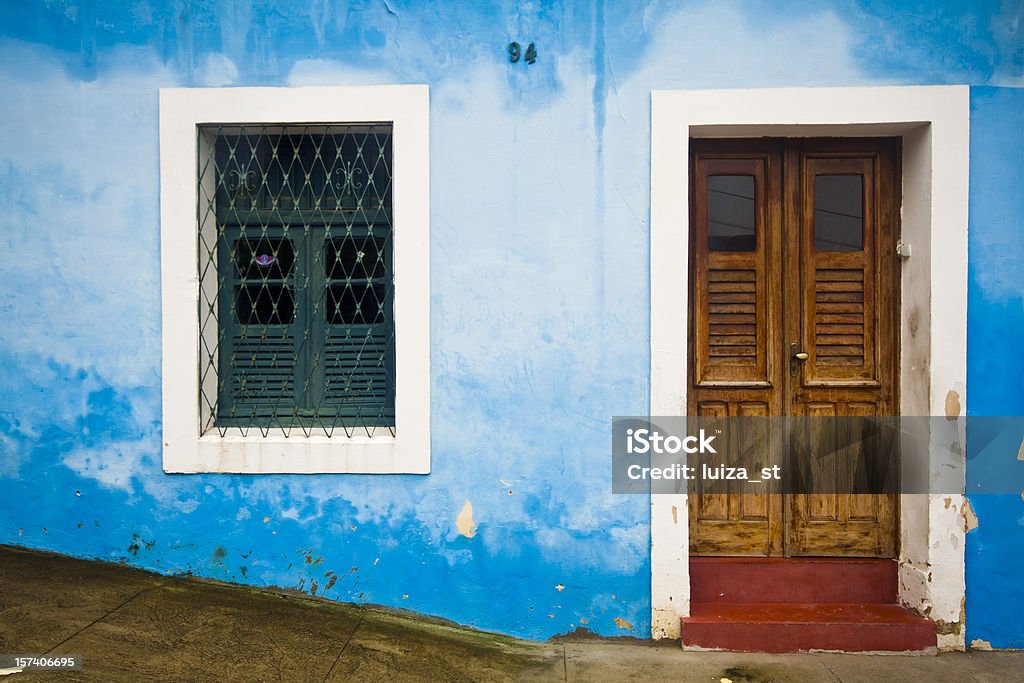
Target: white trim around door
point(934, 123)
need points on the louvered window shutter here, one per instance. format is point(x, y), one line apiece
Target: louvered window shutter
point(303, 257)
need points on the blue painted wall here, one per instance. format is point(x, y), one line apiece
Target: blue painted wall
point(995, 365)
point(540, 182)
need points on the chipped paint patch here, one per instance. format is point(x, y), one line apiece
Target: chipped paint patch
point(970, 519)
point(1020, 452)
point(675, 515)
point(560, 587)
point(952, 405)
point(464, 522)
point(622, 623)
point(980, 644)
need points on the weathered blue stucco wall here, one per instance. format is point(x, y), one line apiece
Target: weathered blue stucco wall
point(995, 365)
point(540, 183)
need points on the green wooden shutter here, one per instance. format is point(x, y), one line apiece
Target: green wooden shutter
point(258, 312)
point(304, 259)
point(359, 340)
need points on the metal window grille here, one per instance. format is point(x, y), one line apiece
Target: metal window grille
point(296, 278)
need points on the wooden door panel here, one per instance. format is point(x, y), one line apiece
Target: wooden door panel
point(792, 243)
point(735, 316)
point(730, 292)
point(844, 319)
point(722, 521)
point(838, 270)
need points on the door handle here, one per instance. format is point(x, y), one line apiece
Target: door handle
point(795, 358)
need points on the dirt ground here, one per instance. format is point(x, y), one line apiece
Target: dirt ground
point(129, 625)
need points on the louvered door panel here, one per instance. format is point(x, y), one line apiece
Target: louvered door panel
point(839, 317)
point(839, 271)
point(730, 292)
point(732, 317)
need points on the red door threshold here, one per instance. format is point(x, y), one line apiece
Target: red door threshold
point(801, 627)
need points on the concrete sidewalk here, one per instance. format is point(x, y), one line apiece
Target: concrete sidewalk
point(130, 625)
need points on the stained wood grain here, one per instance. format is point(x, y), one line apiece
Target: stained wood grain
point(840, 307)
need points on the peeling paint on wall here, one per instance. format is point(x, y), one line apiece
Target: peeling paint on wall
point(970, 519)
point(952, 405)
point(464, 522)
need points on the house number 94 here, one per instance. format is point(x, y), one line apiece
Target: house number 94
point(515, 53)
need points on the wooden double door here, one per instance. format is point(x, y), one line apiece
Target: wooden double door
point(793, 311)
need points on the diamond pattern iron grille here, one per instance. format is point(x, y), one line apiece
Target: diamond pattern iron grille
point(296, 279)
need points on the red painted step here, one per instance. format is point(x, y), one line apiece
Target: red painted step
point(803, 580)
point(796, 627)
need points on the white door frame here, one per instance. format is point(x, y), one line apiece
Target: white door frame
point(934, 124)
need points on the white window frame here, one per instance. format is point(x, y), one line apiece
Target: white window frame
point(185, 448)
point(934, 123)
